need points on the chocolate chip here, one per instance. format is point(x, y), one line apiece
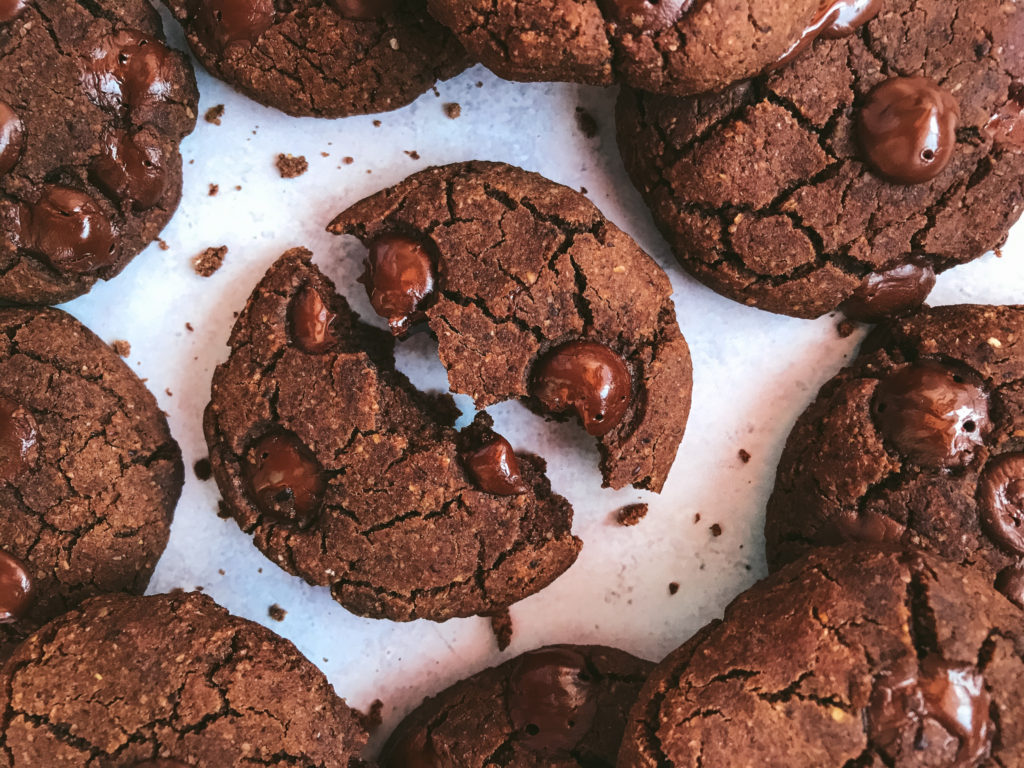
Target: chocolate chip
point(129, 67)
point(10, 10)
point(284, 478)
point(1010, 582)
point(907, 128)
point(312, 322)
point(588, 378)
point(71, 231)
point(890, 293)
point(19, 435)
point(495, 468)
point(364, 10)
point(934, 415)
point(645, 15)
point(399, 276)
point(1001, 499)
point(16, 594)
point(12, 137)
point(835, 19)
point(551, 700)
point(224, 24)
point(131, 169)
point(1006, 127)
point(867, 526)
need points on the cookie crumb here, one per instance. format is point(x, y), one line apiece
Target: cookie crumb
point(744, 455)
point(377, 123)
point(716, 530)
point(221, 571)
point(583, 190)
point(673, 587)
point(209, 261)
point(238, 187)
point(696, 518)
point(163, 245)
point(214, 189)
point(189, 328)
point(325, 154)
point(203, 469)
point(479, 83)
point(586, 123)
point(452, 110)
point(631, 514)
point(276, 612)
point(167, 391)
point(348, 160)
point(412, 153)
point(845, 328)
point(501, 626)
point(214, 114)
point(373, 719)
point(291, 166)
point(122, 347)
point(222, 510)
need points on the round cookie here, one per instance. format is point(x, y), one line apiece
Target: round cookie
point(89, 473)
point(533, 294)
point(777, 192)
point(322, 58)
point(919, 441)
point(851, 657)
point(560, 706)
point(349, 477)
point(169, 680)
point(93, 106)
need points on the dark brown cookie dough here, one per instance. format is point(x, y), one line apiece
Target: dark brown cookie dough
point(169, 680)
point(349, 477)
point(89, 473)
point(919, 441)
point(766, 192)
point(93, 106)
point(851, 657)
point(561, 706)
point(325, 58)
point(535, 295)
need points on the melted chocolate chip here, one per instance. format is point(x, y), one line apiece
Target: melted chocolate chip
point(224, 24)
point(1010, 582)
point(12, 137)
point(10, 10)
point(890, 293)
point(868, 526)
point(1001, 499)
point(551, 700)
point(399, 276)
point(835, 19)
point(495, 468)
point(588, 378)
point(19, 435)
point(645, 15)
point(414, 750)
point(363, 10)
point(907, 128)
point(71, 231)
point(1006, 128)
point(129, 67)
point(312, 322)
point(286, 481)
point(934, 415)
point(16, 594)
point(130, 170)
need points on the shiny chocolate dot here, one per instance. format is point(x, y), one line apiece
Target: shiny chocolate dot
point(71, 231)
point(551, 700)
point(285, 480)
point(588, 378)
point(640, 16)
point(495, 468)
point(19, 435)
point(16, 593)
point(363, 10)
point(399, 276)
point(12, 137)
point(10, 10)
point(835, 19)
point(907, 128)
point(1006, 127)
point(129, 67)
point(130, 170)
point(890, 293)
point(1001, 500)
point(312, 322)
point(934, 415)
point(414, 750)
point(224, 24)
point(1010, 582)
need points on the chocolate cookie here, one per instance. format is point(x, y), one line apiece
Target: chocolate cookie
point(93, 106)
point(678, 47)
point(558, 707)
point(325, 58)
point(852, 176)
point(171, 681)
point(349, 477)
point(89, 473)
point(920, 441)
point(851, 657)
point(533, 294)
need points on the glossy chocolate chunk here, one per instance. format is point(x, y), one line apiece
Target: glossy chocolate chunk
point(130, 170)
point(495, 468)
point(1010, 582)
point(835, 19)
point(363, 10)
point(16, 595)
point(645, 15)
point(10, 10)
point(71, 231)
point(1001, 501)
point(12, 137)
point(1007, 125)
point(588, 378)
point(868, 526)
point(312, 322)
point(907, 129)
point(19, 435)
point(890, 293)
point(284, 479)
point(551, 700)
point(129, 67)
point(932, 414)
point(224, 24)
point(399, 276)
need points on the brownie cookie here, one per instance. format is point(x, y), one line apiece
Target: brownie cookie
point(557, 707)
point(920, 441)
point(851, 657)
point(678, 47)
point(852, 176)
point(533, 294)
point(169, 680)
point(325, 58)
point(89, 473)
point(93, 106)
point(349, 477)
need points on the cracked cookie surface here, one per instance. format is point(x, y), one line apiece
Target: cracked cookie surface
point(561, 706)
point(385, 511)
point(93, 107)
point(851, 657)
point(123, 680)
point(762, 190)
point(322, 58)
point(525, 266)
point(89, 473)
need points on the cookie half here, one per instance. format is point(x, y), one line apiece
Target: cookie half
point(93, 106)
point(561, 706)
point(854, 175)
point(322, 58)
point(171, 681)
point(851, 657)
point(533, 294)
point(349, 477)
point(89, 472)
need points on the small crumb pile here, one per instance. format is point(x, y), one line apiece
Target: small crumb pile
point(209, 261)
point(214, 114)
point(453, 110)
point(501, 625)
point(290, 166)
point(631, 514)
point(122, 347)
